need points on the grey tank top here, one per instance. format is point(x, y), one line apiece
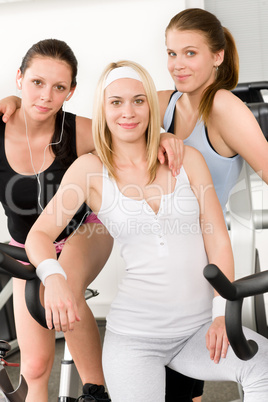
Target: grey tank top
point(224, 171)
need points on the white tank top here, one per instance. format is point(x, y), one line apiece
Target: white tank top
point(224, 171)
point(163, 293)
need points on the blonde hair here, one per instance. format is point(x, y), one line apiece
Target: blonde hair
point(101, 133)
point(218, 38)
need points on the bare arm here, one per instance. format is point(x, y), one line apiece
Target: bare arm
point(239, 131)
point(171, 150)
point(76, 185)
point(60, 304)
point(216, 240)
point(84, 138)
point(8, 106)
point(171, 147)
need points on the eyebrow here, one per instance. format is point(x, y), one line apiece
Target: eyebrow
point(186, 47)
point(39, 77)
point(120, 97)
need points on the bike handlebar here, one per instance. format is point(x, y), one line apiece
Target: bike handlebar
point(8, 261)
point(235, 293)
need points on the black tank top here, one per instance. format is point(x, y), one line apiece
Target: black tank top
point(19, 193)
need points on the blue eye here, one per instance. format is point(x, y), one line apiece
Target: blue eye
point(191, 53)
point(172, 54)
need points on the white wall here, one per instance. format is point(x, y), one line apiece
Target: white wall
point(98, 31)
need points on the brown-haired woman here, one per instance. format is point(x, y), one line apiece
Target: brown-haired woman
point(203, 62)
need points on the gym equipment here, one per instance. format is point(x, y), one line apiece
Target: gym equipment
point(250, 92)
point(6, 387)
point(235, 293)
point(69, 379)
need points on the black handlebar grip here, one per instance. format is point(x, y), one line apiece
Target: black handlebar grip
point(18, 253)
point(243, 348)
point(235, 293)
point(35, 308)
point(219, 281)
point(15, 268)
point(8, 261)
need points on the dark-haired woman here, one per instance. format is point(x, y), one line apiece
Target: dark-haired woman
point(39, 142)
point(203, 62)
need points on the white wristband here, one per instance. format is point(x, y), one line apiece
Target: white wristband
point(49, 267)
point(218, 307)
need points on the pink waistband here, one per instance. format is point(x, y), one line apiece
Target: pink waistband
point(58, 246)
point(92, 218)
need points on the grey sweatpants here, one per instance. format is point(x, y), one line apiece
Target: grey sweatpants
point(134, 367)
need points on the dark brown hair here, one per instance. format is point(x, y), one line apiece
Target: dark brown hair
point(58, 50)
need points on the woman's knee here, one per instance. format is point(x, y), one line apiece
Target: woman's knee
point(35, 367)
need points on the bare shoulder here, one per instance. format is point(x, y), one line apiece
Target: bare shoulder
point(226, 102)
point(195, 166)
point(164, 96)
point(89, 162)
point(84, 137)
point(229, 116)
point(192, 156)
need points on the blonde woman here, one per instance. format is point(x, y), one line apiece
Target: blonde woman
point(168, 229)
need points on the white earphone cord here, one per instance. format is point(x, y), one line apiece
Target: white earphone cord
point(37, 174)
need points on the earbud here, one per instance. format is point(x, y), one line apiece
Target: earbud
point(19, 83)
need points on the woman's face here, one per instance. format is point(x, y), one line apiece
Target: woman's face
point(45, 85)
point(190, 61)
point(126, 110)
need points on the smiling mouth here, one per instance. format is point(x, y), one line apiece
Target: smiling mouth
point(128, 126)
point(42, 108)
point(182, 77)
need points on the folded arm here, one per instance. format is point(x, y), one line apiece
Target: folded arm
point(60, 305)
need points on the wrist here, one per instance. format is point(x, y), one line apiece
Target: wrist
point(49, 267)
point(218, 307)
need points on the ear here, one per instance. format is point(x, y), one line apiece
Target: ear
point(219, 57)
point(18, 79)
point(70, 94)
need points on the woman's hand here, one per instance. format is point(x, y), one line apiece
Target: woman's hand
point(216, 339)
point(8, 106)
point(60, 305)
point(172, 148)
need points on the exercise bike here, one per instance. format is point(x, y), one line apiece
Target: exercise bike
point(234, 293)
point(69, 379)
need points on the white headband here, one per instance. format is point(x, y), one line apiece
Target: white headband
point(121, 72)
